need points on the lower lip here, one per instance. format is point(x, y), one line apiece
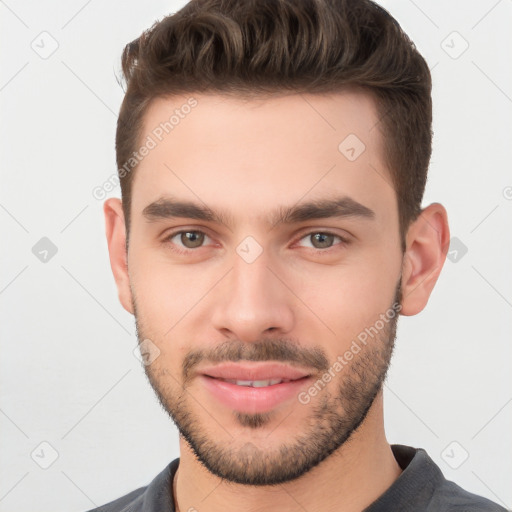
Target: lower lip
point(252, 400)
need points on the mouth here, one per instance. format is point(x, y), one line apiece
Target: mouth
point(261, 374)
point(254, 388)
point(257, 383)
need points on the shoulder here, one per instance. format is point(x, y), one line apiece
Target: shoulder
point(125, 503)
point(422, 486)
point(155, 496)
point(450, 497)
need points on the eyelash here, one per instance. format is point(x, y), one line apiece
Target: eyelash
point(167, 240)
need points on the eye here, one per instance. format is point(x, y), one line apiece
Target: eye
point(188, 239)
point(185, 241)
point(322, 240)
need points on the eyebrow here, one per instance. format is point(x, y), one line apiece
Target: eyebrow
point(170, 208)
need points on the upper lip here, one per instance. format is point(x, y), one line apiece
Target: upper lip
point(254, 371)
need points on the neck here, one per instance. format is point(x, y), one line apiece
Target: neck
point(350, 479)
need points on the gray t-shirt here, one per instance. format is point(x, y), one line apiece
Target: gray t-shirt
point(421, 487)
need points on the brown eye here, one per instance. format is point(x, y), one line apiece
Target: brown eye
point(186, 240)
point(191, 239)
point(322, 240)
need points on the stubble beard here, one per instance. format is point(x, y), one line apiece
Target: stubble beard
point(337, 412)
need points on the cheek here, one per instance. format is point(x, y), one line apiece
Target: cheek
point(163, 292)
point(161, 316)
point(349, 298)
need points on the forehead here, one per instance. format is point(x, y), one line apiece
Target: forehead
point(305, 116)
point(247, 152)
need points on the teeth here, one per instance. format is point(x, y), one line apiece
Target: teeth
point(256, 383)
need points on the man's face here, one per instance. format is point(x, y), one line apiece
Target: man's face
point(252, 287)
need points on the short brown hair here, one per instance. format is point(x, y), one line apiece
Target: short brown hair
point(259, 47)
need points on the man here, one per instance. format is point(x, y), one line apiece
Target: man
point(273, 157)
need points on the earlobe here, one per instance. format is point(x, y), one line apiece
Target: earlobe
point(427, 244)
point(115, 231)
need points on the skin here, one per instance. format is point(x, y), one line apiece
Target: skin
point(245, 158)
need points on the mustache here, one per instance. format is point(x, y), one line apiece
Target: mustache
point(285, 350)
point(280, 349)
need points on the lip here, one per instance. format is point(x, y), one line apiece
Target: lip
point(253, 400)
point(254, 371)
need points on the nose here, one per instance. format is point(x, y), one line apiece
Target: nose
point(253, 300)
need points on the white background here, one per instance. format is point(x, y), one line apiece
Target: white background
point(68, 374)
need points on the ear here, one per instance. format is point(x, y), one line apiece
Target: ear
point(116, 239)
point(427, 243)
